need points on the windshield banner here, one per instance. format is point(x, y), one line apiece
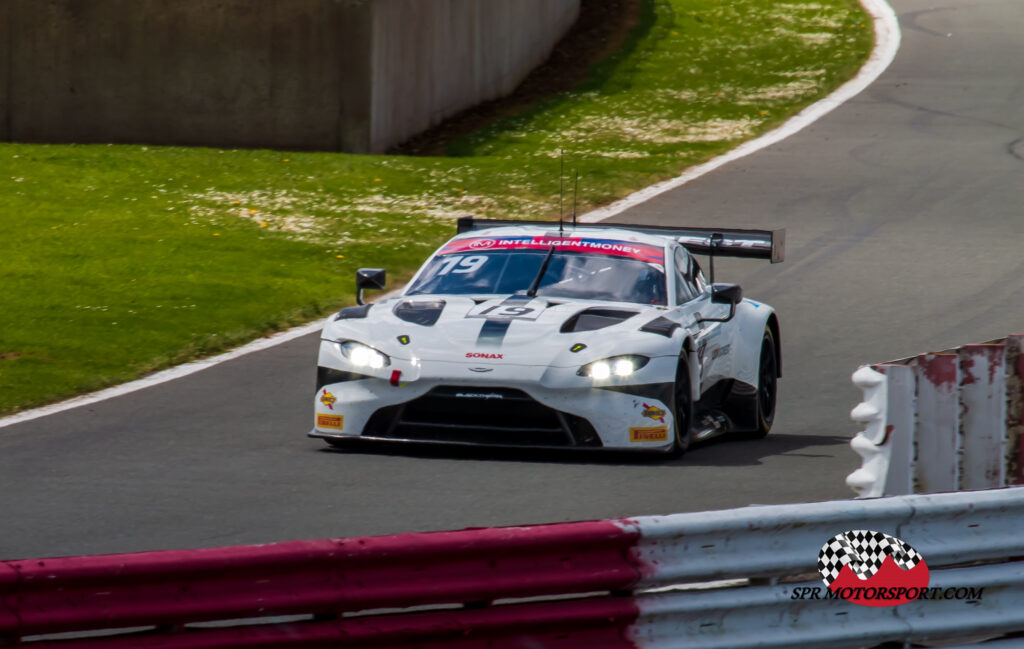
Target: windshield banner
point(610, 247)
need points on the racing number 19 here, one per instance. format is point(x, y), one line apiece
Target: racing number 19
point(459, 264)
point(508, 311)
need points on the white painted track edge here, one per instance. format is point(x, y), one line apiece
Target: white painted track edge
point(164, 376)
point(887, 42)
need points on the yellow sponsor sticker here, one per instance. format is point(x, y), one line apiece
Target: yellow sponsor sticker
point(328, 399)
point(653, 412)
point(649, 434)
point(330, 421)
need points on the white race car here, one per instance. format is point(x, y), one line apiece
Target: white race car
point(534, 334)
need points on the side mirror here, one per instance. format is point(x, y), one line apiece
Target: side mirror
point(369, 278)
point(726, 294)
point(730, 294)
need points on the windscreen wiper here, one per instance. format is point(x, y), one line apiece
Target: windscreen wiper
point(532, 291)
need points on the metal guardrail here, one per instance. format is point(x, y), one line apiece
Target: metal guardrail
point(941, 421)
point(643, 582)
point(767, 616)
point(776, 543)
point(783, 540)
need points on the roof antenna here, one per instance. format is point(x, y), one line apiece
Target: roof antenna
point(561, 191)
point(575, 189)
point(714, 243)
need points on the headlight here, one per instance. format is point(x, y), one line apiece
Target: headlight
point(362, 355)
point(620, 366)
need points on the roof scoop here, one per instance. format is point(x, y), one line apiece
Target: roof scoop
point(595, 318)
point(421, 312)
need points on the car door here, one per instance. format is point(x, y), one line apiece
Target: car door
point(710, 338)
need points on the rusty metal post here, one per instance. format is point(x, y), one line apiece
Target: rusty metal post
point(1014, 409)
point(982, 416)
point(937, 441)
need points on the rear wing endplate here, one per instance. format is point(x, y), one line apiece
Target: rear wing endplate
point(721, 242)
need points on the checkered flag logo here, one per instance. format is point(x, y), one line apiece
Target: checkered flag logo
point(864, 551)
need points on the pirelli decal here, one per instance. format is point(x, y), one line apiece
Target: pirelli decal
point(334, 422)
point(649, 434)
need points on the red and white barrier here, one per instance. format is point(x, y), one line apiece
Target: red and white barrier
point(707, 580)
point(942, 421)
point(327, 579)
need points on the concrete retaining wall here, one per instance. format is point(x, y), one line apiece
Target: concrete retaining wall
point(355, 75)
point(433, 59)
point(6, 29)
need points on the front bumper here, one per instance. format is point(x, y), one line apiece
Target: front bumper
point(498, 411)
point(479, 415)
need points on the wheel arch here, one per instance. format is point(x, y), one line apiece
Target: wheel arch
point(684, 367)
point(773, 325)
point(689, 356)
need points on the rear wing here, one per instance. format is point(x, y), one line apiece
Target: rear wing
point(720, 242)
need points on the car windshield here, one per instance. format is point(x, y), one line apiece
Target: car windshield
point(579, 268)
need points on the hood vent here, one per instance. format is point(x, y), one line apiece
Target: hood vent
point(350, 312)
point(661, 326)
point(596, 318)
point(420, 312)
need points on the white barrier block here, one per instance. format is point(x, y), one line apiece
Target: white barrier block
point(983, 416)
point(869, 480)
point(936, 442)
point(886, 445)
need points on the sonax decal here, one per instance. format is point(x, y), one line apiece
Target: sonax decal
point(493, 357)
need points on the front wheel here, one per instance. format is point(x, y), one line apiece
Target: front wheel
point(767, 384)
point(682, 406)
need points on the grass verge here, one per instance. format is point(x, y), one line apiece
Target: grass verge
point(116, 261)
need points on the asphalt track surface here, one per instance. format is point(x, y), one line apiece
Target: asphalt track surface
point(905, 214)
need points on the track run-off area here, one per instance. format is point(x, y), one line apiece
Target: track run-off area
point(902, 210)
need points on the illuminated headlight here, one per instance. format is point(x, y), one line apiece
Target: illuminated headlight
point(361, 355)
point(619, 366)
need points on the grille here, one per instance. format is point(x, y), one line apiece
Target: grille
point(475, 415)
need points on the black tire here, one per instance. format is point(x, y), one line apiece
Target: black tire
point(682, 410)
point(767, 385)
